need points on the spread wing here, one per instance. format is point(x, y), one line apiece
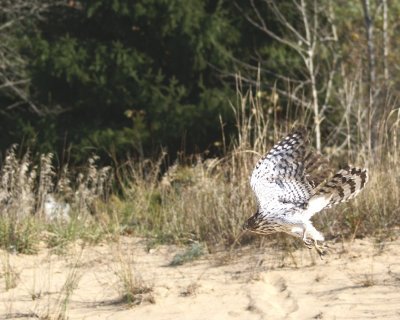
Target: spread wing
point(279, 175)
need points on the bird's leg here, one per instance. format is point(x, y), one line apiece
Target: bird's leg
point(308, 242)
point(316, 241)
point(310, 237)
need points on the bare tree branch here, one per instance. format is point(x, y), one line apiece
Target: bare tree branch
point(285, 22)
point(14, 80)
point(305, 41)
point(261, 25)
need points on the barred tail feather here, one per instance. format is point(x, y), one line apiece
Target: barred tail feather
point(344, 185)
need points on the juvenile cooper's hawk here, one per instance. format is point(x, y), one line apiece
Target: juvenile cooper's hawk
point(288, 198)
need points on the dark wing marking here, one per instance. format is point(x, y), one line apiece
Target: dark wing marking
point(345, 185)
point(279, 174)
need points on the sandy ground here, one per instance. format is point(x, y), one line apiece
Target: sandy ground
point(358, 280)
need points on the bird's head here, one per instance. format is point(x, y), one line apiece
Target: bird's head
point(250, 223)
point(257, 223)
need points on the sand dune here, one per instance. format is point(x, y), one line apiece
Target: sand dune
point(358, 280)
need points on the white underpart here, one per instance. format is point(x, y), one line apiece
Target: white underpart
point(312, 232)
point(316, 204)
point(306, 229)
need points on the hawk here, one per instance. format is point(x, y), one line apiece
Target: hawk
point(288, 197)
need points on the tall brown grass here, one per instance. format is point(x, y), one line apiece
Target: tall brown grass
point(24, 190)
point(205, 199)
point(209, 199)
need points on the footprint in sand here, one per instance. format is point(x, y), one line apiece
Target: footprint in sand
point(271, 298)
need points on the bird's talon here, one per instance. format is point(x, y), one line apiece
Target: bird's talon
point(321, 248)
point(308, 243)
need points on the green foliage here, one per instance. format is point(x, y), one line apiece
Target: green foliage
point(61, 234)
point(120, 77)
point(19, 236)
point(192, 253)
point(158, 61)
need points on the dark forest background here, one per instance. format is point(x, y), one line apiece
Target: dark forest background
point(126, 78)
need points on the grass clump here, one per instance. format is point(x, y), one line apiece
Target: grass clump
point(58, 309)
point(59, 235)
point(20, 235)
point(9, 274)
point(132, 288)
point(34, 199)
point(192, 253)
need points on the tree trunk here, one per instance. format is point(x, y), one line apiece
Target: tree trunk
point(385, 43)
point(372, 114)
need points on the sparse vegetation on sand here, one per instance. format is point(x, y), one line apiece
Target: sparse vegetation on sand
point(197, 202)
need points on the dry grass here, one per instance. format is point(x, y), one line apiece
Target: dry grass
point(196, 199)
point(133, 290)
point(27, 216)
point(71, 283)
point(190, 290)
point(57, 309)
point(207, 200)
point(8, 272)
